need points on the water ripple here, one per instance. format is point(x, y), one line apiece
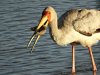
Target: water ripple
point(16, 18)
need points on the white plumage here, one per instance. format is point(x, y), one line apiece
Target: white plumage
point(74, 26)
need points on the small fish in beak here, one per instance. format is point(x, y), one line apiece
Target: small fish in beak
point(41, 28)
point(37, 34)
point(38, 31)
point(41, 31)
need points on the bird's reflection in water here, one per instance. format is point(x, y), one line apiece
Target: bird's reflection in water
point(94, 73)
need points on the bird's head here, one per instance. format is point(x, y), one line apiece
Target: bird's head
point(47, 17)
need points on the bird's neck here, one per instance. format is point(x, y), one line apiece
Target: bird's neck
point(54, 31)
point(60, 34)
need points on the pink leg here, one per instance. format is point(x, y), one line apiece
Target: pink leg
point(94, 73)
point(92, 58)
point(73, 59)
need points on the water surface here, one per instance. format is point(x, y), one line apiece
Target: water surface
point(16, 18)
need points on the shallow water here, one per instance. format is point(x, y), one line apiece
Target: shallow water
point(16, 18)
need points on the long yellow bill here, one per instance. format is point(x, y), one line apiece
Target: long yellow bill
point(39, 31)
point(43, 20)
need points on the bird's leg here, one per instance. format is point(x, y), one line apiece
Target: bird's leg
point(92, 59)
point(94, 73)
point(73, 59)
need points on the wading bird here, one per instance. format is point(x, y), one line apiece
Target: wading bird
point(76, 26)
